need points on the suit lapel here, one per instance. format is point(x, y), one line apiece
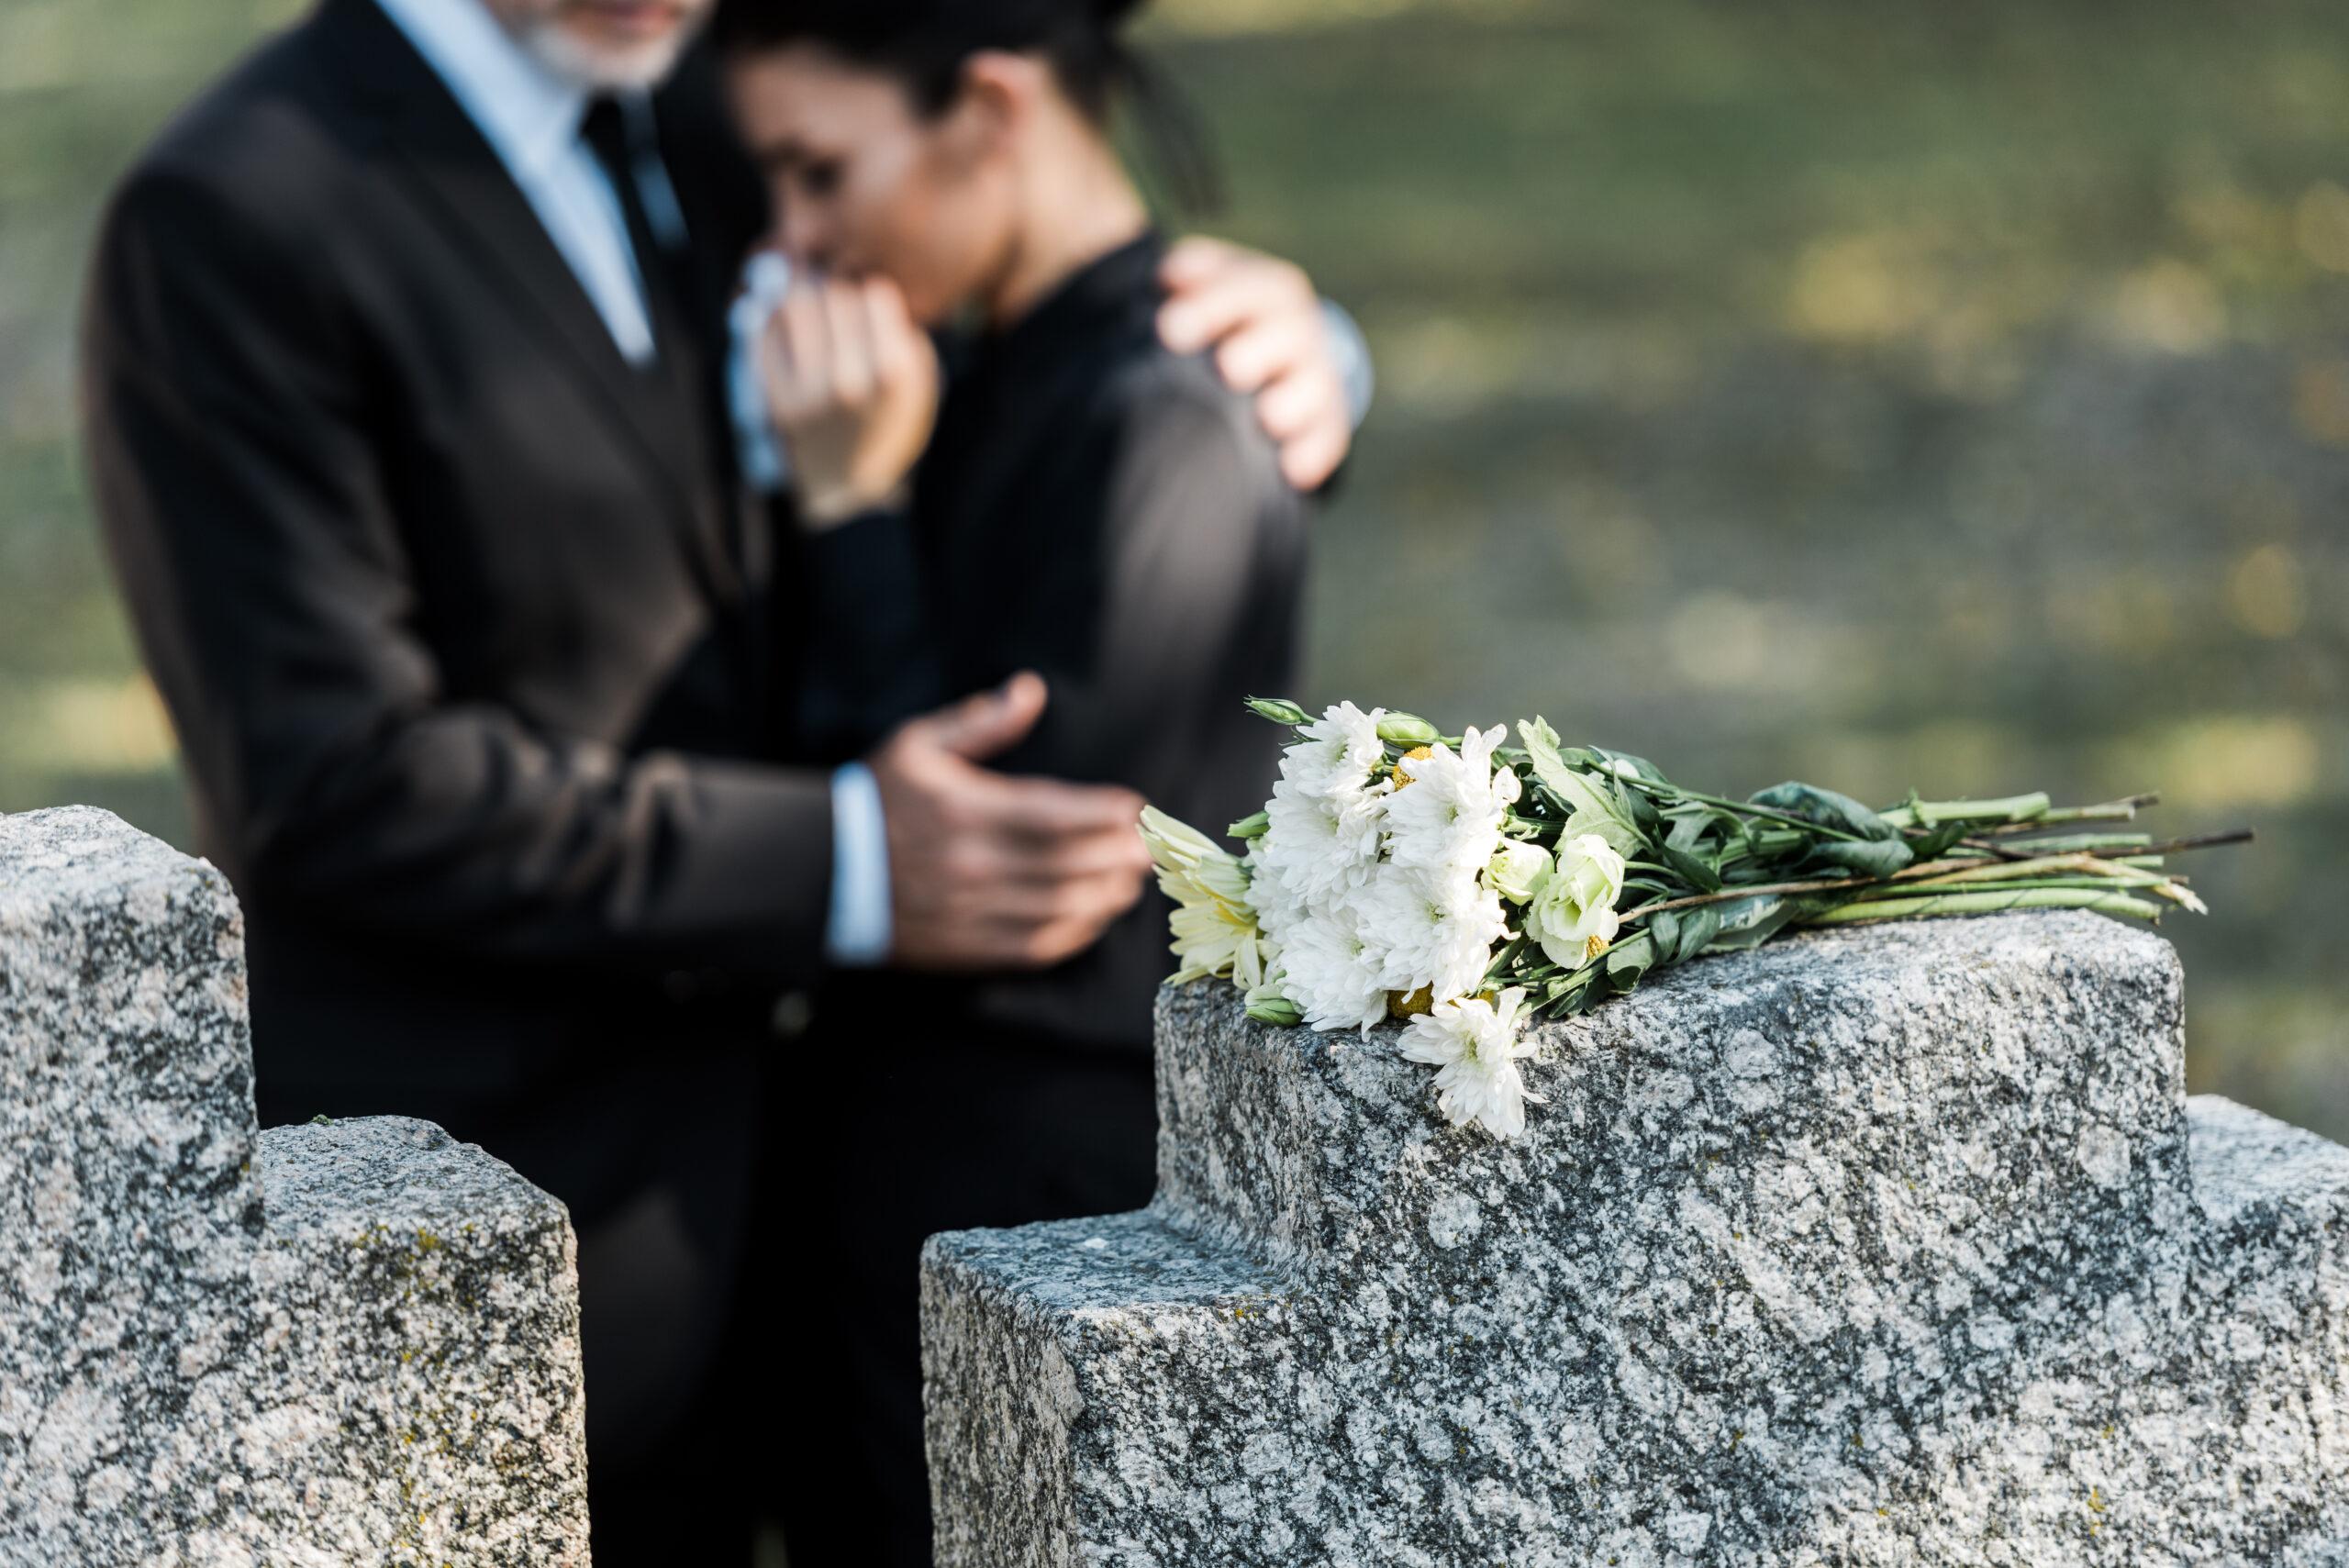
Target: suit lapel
point(456, 173)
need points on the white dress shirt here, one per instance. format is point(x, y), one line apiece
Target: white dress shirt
point(530, 118)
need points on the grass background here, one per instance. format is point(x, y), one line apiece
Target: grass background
point(1955, 396)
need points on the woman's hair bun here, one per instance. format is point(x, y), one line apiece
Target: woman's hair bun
point(1114, 13)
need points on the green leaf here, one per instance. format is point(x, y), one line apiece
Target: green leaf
point(1664, 928)
point(1698, 928)
point(1641, 766)
point(1935, 843)
point(1498, 968)
point(1592, 807)
point(1827, 808)
point(1680, 935)
point(1628, 961)
point(1251, 826)
point(1749, 922)
point(1880, 857)
point(1541, 747)
point(1636, 805)
point(1699, 873)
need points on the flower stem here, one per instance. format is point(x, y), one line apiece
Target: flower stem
point(2013, 808)
point(1871, 911)
point(2044, 865)
point(2123, 810)
point(1744, 807)
point(1828, 884)
point(2109, 884)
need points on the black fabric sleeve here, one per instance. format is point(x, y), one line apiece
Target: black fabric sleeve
point(1195, 576)
point(872, 659)
point(228, 418)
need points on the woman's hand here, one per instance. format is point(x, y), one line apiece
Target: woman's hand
point(853, 385)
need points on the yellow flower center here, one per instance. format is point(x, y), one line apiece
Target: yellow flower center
point(1410, 1004)
point(1594, 946)
point(1401, 776)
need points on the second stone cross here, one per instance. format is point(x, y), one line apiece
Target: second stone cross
point(1879, 1247)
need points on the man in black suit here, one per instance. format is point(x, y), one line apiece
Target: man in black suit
point(406, 423)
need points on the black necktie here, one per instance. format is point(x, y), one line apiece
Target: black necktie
point(622, 142)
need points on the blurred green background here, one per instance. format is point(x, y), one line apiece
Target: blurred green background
point(1955, 396)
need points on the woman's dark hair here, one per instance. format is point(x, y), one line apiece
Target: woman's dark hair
point(925, 43)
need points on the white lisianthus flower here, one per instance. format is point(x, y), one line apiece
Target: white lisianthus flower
point(1431, 928)
point(1572, 912)
point(1449, 816)
point(1475, 1045)
point(1214, 924)
point(1516, 870)
point(1328, 972)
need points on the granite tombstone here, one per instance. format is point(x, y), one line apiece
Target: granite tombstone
point(1889, 1247)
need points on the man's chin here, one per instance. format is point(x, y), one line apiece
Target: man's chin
point(600, 58)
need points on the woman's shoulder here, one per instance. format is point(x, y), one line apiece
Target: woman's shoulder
point(1176, 406)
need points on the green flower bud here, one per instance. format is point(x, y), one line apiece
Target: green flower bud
point(1250, 826)
point(1408, 729)
point(1268, 1006)
point(1280, 710)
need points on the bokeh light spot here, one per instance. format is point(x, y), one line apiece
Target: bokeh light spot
point(2320, 224)
point(2264, 592)
point(2171, 306)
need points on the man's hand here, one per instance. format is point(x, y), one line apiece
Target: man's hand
point(1264, 320)
point(987, 872)
point(852, 385)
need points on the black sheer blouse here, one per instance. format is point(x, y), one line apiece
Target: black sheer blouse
point(1108, 514)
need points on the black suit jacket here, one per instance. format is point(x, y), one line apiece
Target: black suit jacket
point(469, 641)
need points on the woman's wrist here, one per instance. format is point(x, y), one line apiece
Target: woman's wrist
point(823, 507)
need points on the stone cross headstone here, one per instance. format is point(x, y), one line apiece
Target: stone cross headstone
point(1889, 1247)
point(309, 1346)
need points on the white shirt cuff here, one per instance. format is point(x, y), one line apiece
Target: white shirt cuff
point(857, 930)
point(765, 281)
point(1352, 351)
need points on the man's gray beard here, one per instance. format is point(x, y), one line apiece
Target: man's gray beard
point(600, 69)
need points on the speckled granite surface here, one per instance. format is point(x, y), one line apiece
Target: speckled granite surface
point(1871, 1248)
point(327, 1345)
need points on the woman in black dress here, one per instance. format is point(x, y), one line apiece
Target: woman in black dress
point(1090, 507)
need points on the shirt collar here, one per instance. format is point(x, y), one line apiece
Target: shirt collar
point(528, 113)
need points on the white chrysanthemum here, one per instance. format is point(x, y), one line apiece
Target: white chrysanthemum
point(1448, 817)
point(1434, 929)
point(1321, 835)
point(1326, 973)
point(1318, 846)
point(1475, 1045)
point(1214, 924)
point(1338, 751)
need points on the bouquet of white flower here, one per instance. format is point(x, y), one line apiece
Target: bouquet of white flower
point(1467, 886)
